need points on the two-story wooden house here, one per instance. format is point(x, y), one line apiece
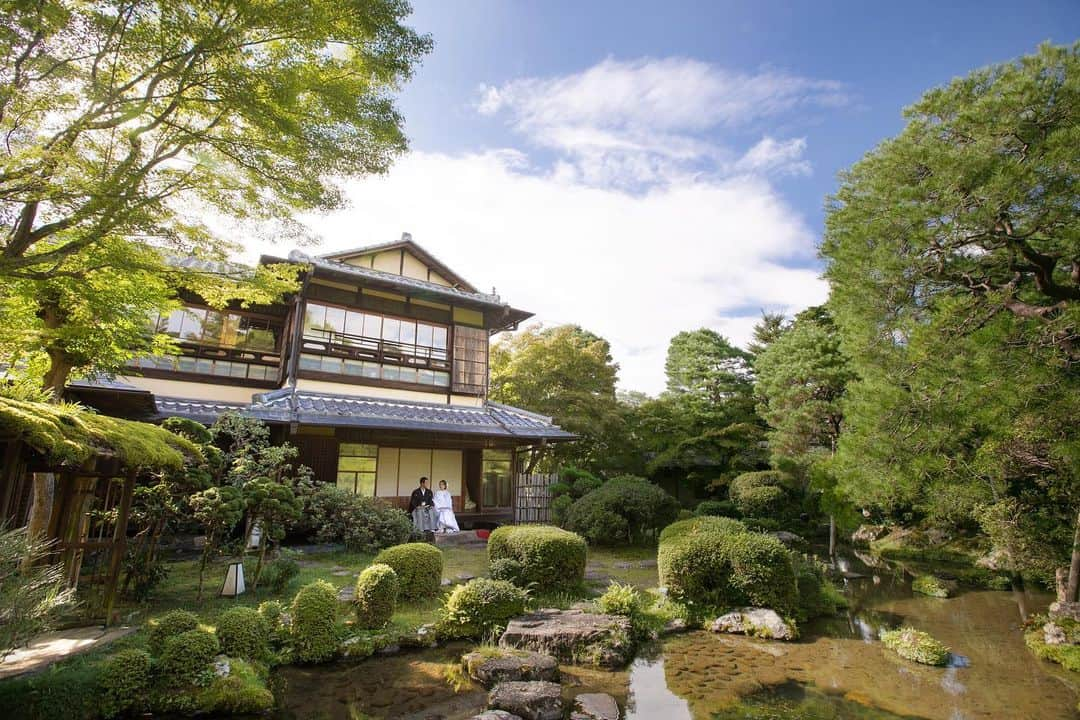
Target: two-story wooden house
point(377, 370)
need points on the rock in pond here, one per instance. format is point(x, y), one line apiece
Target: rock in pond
point(674, 627)
point(534, 700)
point(595, 706)
point(572, 636)
point(512, 665)
point(759, 622)
point(495, 715)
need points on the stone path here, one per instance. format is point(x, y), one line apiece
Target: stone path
point(53, 647)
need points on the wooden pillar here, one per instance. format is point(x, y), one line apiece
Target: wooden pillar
point(119, 545)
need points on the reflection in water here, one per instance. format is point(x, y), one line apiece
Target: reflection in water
point(839, 670)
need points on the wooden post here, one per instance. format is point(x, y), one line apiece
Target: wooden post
point(119, 546)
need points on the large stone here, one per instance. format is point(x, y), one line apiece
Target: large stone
point(1054, 634)
point(572, 636)
point(535, 700)
point(866, 534)
point(513, 665)
point(1065, 611)
point(595, 706)
point(495, 715)
point(759, 622)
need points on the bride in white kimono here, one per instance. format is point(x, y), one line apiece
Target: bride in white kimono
point(444, 506)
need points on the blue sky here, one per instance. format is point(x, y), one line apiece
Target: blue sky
point(643, 168)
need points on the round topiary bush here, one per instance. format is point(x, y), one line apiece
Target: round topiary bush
point(376, 596)
point(124, 680)
point(759, 494)
point(243, 633)
point(560, 506)
point(625, 509)
point(169, 626)
point(314, 628)
point(507, 569)
point(714, 565)
point(419, 568)
point(548, 555)
point(480, 607)
point(271, 611)
point(187, 656)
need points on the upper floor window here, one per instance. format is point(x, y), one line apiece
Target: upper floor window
point(361, 329)
point(204, 326)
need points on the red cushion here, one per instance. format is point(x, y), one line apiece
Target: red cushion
point(483, 534)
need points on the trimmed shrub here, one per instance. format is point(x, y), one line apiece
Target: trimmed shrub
point(271, 612)
point(715, 565)
point(624, 509)
point(314, 630)
point(169, 626)
point(548, 555)
point(915, 645)
point(685, 514)
point(125, 678)
point(577, 482)
point(704, 523)
point(507, 569)
point(930, 585)
point(481, 607)
point(376, 596)
point(243, 633)
point(241, 692)
point(187, 656)
point(717, 508)
point(280, 572)
point(419, 568)
point(560, 506)
point(759, 493)
point(364, 524)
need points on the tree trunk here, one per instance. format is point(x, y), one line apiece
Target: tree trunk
point(202, 563)
point(37, 528)
point(1074, 566)
point(832, 536)
point(259, 566)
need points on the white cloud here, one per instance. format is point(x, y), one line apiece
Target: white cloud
point(634, 268)
point(640, 122)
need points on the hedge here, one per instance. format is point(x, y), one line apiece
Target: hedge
point(481, 607)
point(703, 523)
point(419, 568)
point(125, 678)
point(551, 557)
point(243, 633)
point(314, 629)
point(625, 509)
point(187, 656)
point(376, 596)
point(169, 626)
point(759, 493)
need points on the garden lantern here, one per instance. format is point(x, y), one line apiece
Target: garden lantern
point(234, 580)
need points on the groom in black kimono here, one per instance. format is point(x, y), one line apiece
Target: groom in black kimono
point(422, 507)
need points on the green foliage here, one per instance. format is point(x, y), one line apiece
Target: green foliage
point(419, 568)
point(950, 253)
point(704, 362)
point(125, 680)
point(271, 612)
point(818, 596)
point(714, 564)
point(168, 626)
point(242, 692)
point(376, 596)
point(567, 373)
point(560, 508)
point(243, 633)
point(314, 629)
point(625, 508)
point(620, 599)
point(1066, 654)
point(217, 509)
point(717, 508)
point(186, 657)
point(550, 557)
point(508, 569)
point(760, 494)
point(363, 523)
point(281, 571)
point(915, 645)
point(480, 608)
point(66, 433)
point(30, 593)
point(930, 585)
point(64, 691)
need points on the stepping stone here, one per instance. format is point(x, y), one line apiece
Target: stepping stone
point(495, 715)
point(595, 706)
point(347, 594)
point(513, 665)
point(572, 636)
point(528, 700)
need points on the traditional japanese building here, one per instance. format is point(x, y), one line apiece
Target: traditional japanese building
point(376, 369)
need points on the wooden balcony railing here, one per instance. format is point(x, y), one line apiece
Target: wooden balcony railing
point(331, 342)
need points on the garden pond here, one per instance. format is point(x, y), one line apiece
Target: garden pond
point(837, 670)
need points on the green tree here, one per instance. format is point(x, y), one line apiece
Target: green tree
point(953, 255)
point(705, 363)
point(802, 374)
point(567, 373)
point(274, 508)
point(217, 509)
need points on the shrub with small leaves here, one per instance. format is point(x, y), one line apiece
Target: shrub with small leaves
point(717, 508)
point(759, 494)
point(241, 692)
point(548, 555)
point(187, 657)
point(376, 596)
point(915, 645)
point(419, 568)
point(271, 611)
point(124, 679)
point(314, 628)
point(480, 607)
point(243, 633)
point(169, 626)
point(280, 572)
point(507, 569)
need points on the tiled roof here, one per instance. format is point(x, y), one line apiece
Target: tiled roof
point(307, 408)
point(414, 248)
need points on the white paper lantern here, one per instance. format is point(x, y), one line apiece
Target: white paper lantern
point(234, 580)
